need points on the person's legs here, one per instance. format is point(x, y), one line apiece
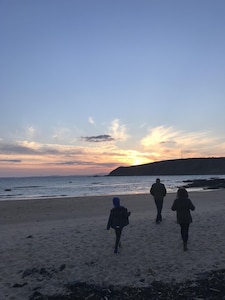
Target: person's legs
point(118, 232)
point(159, 206)
point(184, 234)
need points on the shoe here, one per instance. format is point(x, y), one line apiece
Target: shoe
point(115, 250)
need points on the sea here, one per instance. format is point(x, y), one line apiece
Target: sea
point(44, 187)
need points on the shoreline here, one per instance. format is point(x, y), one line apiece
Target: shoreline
point(31, 188)
point(51, 243)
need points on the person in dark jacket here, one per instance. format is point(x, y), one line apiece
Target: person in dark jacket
point(158, 191)
point(182, 205)
point(118, 218)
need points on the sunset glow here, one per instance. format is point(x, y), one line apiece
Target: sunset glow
point(86, 88)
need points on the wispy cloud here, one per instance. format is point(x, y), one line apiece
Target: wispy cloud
point(91, 121)
point(61, 134)
point(167, 142)
point(118, 131)
point(31, 131)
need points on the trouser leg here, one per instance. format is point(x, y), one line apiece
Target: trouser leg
point(159, 206)
point(184, 234)
point(118, 232)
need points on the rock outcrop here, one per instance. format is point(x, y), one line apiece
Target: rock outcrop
point(188, 166)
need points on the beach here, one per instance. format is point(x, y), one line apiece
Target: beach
point(47, 244)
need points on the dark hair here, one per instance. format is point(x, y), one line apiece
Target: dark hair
point(182, 193)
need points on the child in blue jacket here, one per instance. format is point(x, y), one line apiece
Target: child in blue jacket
point(118, 218)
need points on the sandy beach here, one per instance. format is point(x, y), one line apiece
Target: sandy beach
point(48, 243)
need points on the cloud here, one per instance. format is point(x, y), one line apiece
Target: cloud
point(159, 135)
point(70, 163)
point(32, 148)
point(91, 121)
point(85, 163)
point(10, 148)
point(97, 139)
point(167, 142)
point(119, 132)
point(31, 131)
point(61, 134)
point(11, 160)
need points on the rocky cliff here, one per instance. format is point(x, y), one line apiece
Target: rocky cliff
point(188, 166)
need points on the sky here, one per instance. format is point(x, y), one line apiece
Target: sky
point(87, 86)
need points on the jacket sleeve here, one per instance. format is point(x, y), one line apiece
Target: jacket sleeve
point(191, 206)
point(109, 221)
point(174, 206)
point(164, 190)
point(128, 213)
point(152, 190)
point(126, 217)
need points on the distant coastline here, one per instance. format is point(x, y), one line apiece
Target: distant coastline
point(188, 166)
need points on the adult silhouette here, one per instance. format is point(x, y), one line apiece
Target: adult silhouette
point(158, 191)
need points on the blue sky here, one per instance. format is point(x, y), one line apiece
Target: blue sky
point(88, 86)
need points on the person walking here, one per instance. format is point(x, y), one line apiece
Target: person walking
point(182, 205)
point(158, 191)
point(118, 219)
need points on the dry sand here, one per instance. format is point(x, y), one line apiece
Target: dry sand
point(46, 244)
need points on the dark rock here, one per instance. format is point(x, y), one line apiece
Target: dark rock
point(213, 183)
point(18, 285)
point(36, 271)
point(29, 237)
point(62, 267)
point(44, 272)
point(38, 296)
point(29, 272)
point(36, 288)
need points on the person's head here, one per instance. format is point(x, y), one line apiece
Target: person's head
point(157, 180)
point(116, 201)
point(182, 193)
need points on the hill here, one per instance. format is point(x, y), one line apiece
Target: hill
point(188, 166)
